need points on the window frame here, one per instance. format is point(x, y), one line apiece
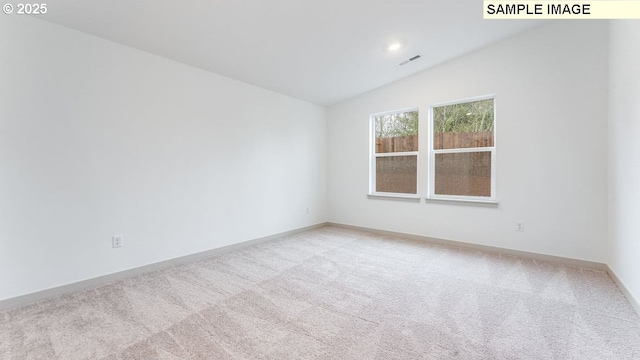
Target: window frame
point(373, 156)
point(433, 152)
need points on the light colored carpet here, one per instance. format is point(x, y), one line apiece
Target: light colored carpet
point(333, 293)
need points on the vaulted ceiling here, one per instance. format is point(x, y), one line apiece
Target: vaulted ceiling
point(322, 51)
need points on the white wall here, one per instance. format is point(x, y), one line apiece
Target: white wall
point(624, 154)
point(99, 139)
point(551, 91)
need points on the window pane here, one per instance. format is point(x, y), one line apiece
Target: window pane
point(464, 125)
point(466, 174)
point(397, 174)
point(397, 132)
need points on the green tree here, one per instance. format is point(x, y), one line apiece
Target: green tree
point(396, 124)
point(475, 116)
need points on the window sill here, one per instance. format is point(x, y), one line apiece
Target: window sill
point(463, 201)
point(389, 196)
point(417, 198)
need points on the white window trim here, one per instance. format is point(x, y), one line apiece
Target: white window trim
point(432, 156)
point(395, 196)
point(373, 156)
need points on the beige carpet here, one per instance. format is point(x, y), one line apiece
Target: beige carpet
point(332, 293)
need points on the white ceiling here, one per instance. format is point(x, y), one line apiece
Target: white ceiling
point(322, 51)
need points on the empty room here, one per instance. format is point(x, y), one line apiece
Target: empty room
point(317, 180)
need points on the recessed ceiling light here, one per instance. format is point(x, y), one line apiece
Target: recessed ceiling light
point(394, 47)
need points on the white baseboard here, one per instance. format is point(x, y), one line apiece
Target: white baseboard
point(558, 259)
point(109, 278)
point(492, 249)
point(632, 300)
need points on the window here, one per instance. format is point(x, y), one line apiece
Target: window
point(462, 150)
point(394, 160)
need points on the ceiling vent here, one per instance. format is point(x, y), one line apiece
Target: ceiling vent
point(410, 60)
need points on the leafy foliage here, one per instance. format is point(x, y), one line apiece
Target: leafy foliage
point(396, 124)
point(475, 116)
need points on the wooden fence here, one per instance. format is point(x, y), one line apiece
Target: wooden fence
point(440, 141)
point(397, 144)
point(463, 174)
point(462, 140)
point(456, 174)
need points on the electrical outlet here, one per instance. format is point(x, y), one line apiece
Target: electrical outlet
point(116, 241)
point(307, 211)
point(520, 226)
